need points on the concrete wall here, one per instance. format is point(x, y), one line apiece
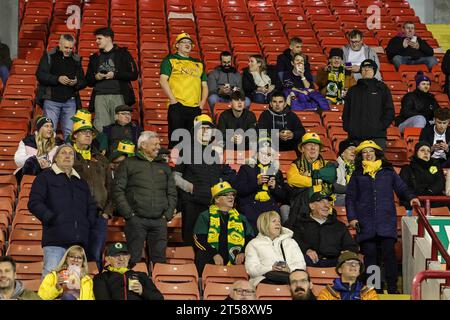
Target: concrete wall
point(9, 24)
point(432, 11)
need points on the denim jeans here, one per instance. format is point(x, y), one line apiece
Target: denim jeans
point(414, 121)
point(97, 238)
point(52, 257)
point(4, 74)
point(259, 97)
point(428, 61)
point(214, 98)
point(61, 111)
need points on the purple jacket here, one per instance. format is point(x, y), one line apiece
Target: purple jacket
point(371, 202)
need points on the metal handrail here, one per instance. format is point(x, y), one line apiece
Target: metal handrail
point(429, 199)
point(416, 293)
point(436, 244)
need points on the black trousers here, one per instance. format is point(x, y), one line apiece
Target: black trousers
point(180, 117)
point(139, 230)
point(371, 257)
point(190, 213)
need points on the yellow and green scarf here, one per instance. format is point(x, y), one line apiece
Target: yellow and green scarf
point(263, 195)
point(349, 168)
point(86, 154)
point(118, 270)
point(371, 167)
point(236, 236)
point(335, 84)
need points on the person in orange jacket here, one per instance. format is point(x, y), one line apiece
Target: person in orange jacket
point(347, 286)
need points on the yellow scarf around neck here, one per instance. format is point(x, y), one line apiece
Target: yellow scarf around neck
point(86, 154)
point(371, 167)
point(118, 270)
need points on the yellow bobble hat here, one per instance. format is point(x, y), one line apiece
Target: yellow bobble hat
point(124, 148)
point(310, 137)
point(82, 114)
point(204, 119)
point(182, 36)
point(367, 144)
point(81, 125)
point(221, 188)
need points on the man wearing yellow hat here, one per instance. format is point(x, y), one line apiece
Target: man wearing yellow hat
point(308, 174)
point(124, 150)
point(221, 232)
point(184, 81)
point(93, 167)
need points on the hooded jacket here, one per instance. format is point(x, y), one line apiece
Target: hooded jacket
point(48, 76)
point(328, 239)
point(395, 47)
point(110, 285)
point(417, 103)
point(286, 119)
point(371, 202)
point(48, 290)
point(262, 253)
point(368, 110)
point(20, 293)
point(144, 188)
point(218, 77)
point(342, 291)
point(424, 178)
point(126, 71)
point(369, 53)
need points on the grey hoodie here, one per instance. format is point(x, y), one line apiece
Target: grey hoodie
point(218, 78)
point(20, 293)
point(369, 53)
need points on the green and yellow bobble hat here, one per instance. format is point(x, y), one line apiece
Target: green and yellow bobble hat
point(82, 114)
point(124, 148)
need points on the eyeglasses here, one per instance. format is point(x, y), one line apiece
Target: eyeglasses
point(86, 132)
point(79, 258)
point(186, 42)
point(355, 41)
point(244, 292)
point(352, 263)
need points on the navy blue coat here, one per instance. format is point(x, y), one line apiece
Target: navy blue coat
point(246, 186)
point(371, 202)
point(64, 206)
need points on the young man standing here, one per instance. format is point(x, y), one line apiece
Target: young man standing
point(183, 80)
point(110, 72)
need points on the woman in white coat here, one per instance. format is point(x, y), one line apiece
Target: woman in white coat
point(273, 249)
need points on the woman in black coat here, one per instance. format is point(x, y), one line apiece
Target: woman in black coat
point(424, 175)
point(418, 106)
point(258, 80)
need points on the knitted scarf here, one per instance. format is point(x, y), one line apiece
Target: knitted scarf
point(86, 154)
point(235, 230)
point(371, 167)
point(304, 166)
point(335, 84)
point(263, 195)
point(349, 168)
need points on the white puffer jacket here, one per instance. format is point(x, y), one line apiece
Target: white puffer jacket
point(261, 253)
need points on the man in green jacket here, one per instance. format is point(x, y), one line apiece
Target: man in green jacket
point(144, 194)
point(10, 288)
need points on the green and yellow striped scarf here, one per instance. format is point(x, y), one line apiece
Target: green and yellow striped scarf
point(236, 237)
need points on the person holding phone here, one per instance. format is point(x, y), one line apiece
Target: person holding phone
point(408, 48)
point(273, 254)
point(438, 137)
point(60, 77)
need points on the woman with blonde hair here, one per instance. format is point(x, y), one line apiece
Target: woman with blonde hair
point(70, 280)
point(35, 152)
point(271, 256)
point(256, 80)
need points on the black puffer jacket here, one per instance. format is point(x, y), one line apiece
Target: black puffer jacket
point(110, 285)
point(144, 188)
point(368, 110)
point(395, 47)
point(417, 103)
point(327, 239)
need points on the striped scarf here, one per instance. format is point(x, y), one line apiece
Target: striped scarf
point(304, 166)
point(335, 84)
point(349, 168)
point(235, 230)
point(263, 195)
